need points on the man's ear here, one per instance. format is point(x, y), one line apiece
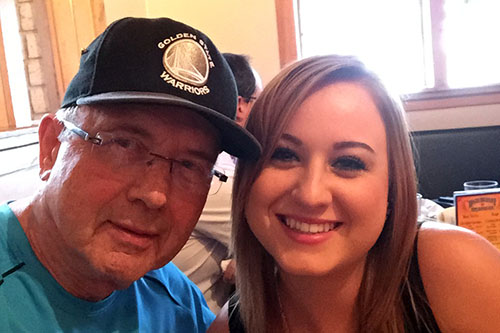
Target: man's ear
point(48, 132)
point(241, 100)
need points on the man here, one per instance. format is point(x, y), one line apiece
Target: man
point(248, 83)
point(204, 253)
point(127, 165)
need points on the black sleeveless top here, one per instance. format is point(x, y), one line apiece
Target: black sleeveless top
point(418, 317)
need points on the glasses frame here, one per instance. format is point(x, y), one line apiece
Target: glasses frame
point(97, 140)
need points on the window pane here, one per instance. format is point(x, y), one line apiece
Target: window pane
point(471, 42)
point(385, 34)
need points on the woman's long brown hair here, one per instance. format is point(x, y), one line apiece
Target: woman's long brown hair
point(378, 305)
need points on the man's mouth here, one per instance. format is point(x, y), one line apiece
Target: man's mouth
point(308, 228)
point(132, 236)
point(130, 228)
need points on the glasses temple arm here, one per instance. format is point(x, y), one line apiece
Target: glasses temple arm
point(222, 177)
point(81, 133)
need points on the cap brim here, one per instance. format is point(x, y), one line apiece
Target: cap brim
point(236, 140)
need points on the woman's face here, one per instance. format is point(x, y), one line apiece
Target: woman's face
point(320, 203)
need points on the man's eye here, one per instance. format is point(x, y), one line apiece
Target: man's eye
point(194, 166)
point(282, 154)
point(125, 143)
point(349, 163)
point(194, 171)
point(188, 165)
point(123, 150)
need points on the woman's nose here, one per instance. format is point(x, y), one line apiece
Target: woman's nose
point(312, 187)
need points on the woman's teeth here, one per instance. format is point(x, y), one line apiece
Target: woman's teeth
point(308, 227)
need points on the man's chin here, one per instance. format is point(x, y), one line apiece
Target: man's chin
point(122, 275)
point(123, 279)
point(120, 270)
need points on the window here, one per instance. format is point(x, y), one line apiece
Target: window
point(387, 42)
point(39, 54)
point(423, 49)
point(471, 30)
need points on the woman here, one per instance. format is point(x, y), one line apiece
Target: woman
point(325, 230)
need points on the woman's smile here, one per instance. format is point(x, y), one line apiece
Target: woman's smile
point(308, 231)
point(308, 226)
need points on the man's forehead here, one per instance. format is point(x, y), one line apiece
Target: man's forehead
point(140, 113)
point(153, 120)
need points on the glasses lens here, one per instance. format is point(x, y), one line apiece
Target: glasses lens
point(191, 177)
point(125, 154)
point(120, 151)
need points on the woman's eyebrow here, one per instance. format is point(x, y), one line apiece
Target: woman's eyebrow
point(338, 145)
point(352, 144)
point(292, 139)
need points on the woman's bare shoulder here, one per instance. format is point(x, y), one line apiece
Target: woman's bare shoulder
point(221, 322)
point(461, 275)
point(439, 242)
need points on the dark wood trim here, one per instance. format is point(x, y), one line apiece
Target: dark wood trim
point(287, 36)
point(99, 16)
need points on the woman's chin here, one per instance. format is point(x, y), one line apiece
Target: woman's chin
point(319, 267)
point(305, 269)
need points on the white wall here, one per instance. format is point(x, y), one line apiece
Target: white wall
point(249, 27)
point(237, 26)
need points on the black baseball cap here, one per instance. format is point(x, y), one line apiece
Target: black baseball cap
point(162, 61)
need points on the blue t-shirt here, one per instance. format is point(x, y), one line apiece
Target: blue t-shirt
point(31, 300)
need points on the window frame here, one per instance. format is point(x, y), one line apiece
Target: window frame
point(434, 98)
point(7, 120)
point(67, 27)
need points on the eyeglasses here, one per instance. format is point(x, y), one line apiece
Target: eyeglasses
point(126, 153)
point(251, 98)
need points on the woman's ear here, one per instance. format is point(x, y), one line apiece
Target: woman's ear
point(48, 133)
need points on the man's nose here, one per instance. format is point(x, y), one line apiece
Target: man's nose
point(152, 186)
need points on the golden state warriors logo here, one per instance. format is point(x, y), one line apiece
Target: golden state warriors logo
point(187, 63)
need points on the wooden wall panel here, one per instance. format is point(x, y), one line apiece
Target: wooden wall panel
point(65, 39)
point(99, 16)
point(287, 36)
point(74, 24)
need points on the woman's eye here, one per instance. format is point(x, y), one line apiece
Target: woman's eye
point(284, 155)
point(349, 163)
